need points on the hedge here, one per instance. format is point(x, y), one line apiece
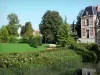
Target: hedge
point(38, 62)
point(87, 51)
point(35, 41)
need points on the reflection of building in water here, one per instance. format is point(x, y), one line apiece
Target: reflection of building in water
point(87, 71)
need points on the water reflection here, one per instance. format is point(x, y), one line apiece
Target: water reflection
point(88, 69)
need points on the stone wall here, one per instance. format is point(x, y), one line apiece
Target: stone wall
point(86, 40)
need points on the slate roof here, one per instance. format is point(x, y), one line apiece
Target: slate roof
point(91, 10)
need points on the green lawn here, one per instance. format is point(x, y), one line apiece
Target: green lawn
point(17, 47)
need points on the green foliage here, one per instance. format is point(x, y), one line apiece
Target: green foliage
point(94, 48)
point(4, 33)
point(30, 40)
point(35, 42)
point(0, 32)
point(12, 39)
point(73, 27)
point(23, 40)
point(49, 26)
point(71, 40)
point(13, 19)
point(78, 24)
point(39, 38)
point(64, 35)
point(12, 30)
point(12, 27)
point(84, 50)
point(27, 30)
point(39, 63)
point(22, 30)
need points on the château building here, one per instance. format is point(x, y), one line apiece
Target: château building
point(90, 25)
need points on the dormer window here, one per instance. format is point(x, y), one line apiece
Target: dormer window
point(86, 13)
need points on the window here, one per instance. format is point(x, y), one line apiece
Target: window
point(87, 22)
point(91, 31)
point(83, 31)
point(83, 22)
point(91, 21)
point(87, 31)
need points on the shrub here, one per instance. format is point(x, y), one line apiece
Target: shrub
point(4, 34)
point(35, 42)
point(39, 40)
point(30, 40)
point(93, 47)
point(22, 40)
point(12, 39)
point(39, 63)
point(84, 50)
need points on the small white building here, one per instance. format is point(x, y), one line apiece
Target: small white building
point(35, 32)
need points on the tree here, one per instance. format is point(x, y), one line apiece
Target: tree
point(73, 27)
point(65, 34)
point(4, 33)
point(13, 25)
point(0, 32)
point(39, 38)
point(34, 41)
point(13, 19)
point(27, 30)
point(78, 24)
point(22, 30)
point(12, 30)
point(73, 31)
point(49, 26)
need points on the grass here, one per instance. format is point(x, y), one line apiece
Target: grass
point(17, 47)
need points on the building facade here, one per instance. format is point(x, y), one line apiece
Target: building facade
point(90, 25)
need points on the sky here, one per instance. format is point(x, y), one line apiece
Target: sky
point(33, 10)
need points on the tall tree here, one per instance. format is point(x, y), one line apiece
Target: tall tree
point(78, 23)
point(73, 26)
point(22, 30)
point(64, 35)
point(49, 26)
point(27, 30)
point(12, 27)
point(13, 19)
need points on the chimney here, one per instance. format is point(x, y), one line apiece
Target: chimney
point(98, 8)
